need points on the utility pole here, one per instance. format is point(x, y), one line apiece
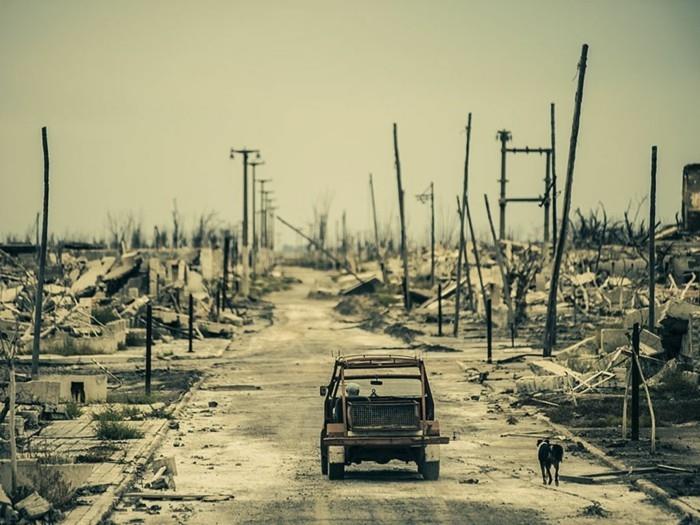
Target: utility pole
point(404, 247)
point(553, 159)
point(652, 240)
point(39, 297)
point(504, 136)
point(380, 258)
point(255, 233)
point(245, 256)
point(465, 183)
point(344, 242)
point(261, 233)
point(550, 329)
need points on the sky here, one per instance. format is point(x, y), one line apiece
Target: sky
point(144, 99)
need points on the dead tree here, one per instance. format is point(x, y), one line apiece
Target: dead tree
point(551, 321)
point(42, 259)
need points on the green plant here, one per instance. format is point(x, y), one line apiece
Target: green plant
point(116, 414)
point(73, 410)
point(116, 431)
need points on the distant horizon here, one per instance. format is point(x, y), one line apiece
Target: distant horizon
point(144, 100)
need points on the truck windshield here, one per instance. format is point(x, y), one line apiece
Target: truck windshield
point(389, 387)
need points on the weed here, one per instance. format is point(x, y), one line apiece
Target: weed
point(73, 410)
point(116, 414)
point(116, 431)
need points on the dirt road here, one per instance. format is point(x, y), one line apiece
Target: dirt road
point(260, 443)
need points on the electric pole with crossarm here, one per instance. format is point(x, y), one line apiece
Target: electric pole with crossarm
point(245, 255)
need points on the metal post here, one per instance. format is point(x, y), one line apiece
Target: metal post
point(635, 382)
point(149, 337)
point(440, 309)
point(652, 248)
point(190, 327)
point(489, 331)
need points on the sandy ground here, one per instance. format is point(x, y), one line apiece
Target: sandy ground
point(260, 444)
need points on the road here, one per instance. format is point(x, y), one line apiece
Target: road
point(260, 443)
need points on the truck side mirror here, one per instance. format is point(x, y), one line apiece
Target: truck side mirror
point(323, 390)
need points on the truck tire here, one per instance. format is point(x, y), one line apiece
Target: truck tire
point(430, 470)
point(336, 470)
point(324, 456)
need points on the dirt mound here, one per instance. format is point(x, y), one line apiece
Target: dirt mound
point(402, 332)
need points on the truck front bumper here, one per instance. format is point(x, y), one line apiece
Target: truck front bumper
point(385, 441)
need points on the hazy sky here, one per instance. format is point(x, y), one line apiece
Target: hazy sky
point(143, 100)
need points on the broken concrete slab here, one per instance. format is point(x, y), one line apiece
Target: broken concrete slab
point(33, 506)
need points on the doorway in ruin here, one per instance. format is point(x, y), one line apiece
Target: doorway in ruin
point(77, 391)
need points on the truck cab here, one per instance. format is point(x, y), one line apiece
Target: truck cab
point(379, 408)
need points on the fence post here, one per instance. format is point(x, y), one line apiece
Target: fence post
point(149, 337)
point(440, 309)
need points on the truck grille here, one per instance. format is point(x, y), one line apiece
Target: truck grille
point(379, 415)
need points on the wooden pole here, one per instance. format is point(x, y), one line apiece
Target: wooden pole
point(11, 429)
point(476, 252)
point(224, 281)
point(465, 182)
point(440, 309)
point(432, 235)
point(149, 338)
point(380, 258)
point(553, 159)
point(503, 136)
point(190, 324)
point(551, 320)
point(502, 267)
point(467, 269)
point(39, 297)
point(635, 382)
point(652, 240)
point(547, 184)
point(489, 331)
point(402, 218)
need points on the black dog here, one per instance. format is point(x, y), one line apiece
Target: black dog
point(549, 455)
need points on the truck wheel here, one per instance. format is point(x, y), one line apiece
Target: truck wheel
point(336, 470)
point(324, 457)
point(430, 470)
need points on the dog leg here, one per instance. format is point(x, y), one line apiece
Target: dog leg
point(556, 474)
point(549, 473)
point(544, 477)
